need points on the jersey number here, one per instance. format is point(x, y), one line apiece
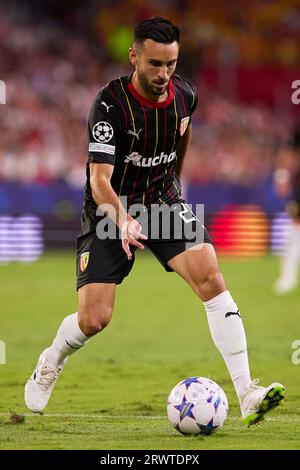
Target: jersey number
point(188, 211)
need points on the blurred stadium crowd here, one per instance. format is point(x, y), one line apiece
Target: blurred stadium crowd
point(54, 57)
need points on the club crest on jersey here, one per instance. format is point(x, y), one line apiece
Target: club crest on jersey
point(183, 124)
point(84, 260)
point(103, 132)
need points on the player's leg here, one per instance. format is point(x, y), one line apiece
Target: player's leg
point(96, 302)
point(199, 267)
point(101, 264)
point(290, 262)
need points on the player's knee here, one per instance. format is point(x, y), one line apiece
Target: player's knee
point(211, 285)
point(96, 321)
point(104, 318)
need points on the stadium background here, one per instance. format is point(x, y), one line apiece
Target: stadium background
point(54, 57)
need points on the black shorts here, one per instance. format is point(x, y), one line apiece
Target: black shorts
point(104, 260)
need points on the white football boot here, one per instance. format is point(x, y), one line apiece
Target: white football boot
point(40, 385)
point(257, 401)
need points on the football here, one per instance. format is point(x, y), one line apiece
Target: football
point(197, 405)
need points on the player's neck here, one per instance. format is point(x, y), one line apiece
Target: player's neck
point(139, 88)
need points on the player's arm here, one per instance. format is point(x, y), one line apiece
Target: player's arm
point(101, 159)
point(107, 199)
point(182, 148)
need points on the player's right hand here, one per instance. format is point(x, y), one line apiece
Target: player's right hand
point(131, 232)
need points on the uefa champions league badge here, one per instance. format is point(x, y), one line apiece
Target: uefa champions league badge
point(84, 261)
point(102, 132)
point(183, 124)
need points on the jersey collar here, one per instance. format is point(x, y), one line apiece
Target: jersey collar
point(150, 104)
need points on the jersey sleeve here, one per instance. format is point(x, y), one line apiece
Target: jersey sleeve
point(193, 96)
point(190, 95)
point(103, 130)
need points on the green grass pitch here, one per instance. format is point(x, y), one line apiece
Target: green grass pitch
point(112, 394)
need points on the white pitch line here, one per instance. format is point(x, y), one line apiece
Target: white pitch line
point(79, 415)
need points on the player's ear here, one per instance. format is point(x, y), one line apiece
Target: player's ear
point(133, 57)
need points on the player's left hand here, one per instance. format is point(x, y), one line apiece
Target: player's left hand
point(131, 232)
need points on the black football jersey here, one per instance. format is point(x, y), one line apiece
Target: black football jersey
point(140, 139)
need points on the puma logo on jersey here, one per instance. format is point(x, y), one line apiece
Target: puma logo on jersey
point(139, 160)
point(107, 106)
point(135, 134)
point(233, 313)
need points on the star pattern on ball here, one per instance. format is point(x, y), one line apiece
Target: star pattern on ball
point(208, 428)
point(185, 409)
point(215, 398)
point(217, 402)
point(191, 380)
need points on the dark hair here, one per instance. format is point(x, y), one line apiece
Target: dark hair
point(158, 29)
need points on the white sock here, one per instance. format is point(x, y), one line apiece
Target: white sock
point(68, 340)
point(227, 331)
point(291, 258)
